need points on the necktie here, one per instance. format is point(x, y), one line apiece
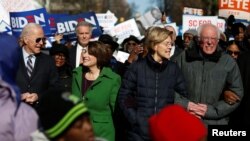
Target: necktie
point(29, 65)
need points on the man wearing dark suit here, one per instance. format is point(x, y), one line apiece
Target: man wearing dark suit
point(83, 34)
point(37, 71)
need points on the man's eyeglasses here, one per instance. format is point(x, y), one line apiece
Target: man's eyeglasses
point(38, 40)
point(206, 39)
point(233, 52)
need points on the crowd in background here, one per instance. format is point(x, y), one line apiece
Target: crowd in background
point(82, 92)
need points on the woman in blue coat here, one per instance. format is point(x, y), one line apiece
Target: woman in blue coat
point(150, 84)
point(98, 85)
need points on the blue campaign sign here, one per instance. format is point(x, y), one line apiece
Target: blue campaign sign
point(67, 24)
point(19, 19)
point(52, 22)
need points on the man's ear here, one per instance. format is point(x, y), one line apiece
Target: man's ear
point(155, 47)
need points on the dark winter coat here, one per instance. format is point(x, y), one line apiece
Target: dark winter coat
point(146, 88)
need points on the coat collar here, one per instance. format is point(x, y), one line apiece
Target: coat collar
point(155, 65)
point(105, 72)
point(194, 53)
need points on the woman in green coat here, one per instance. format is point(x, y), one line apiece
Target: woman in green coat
point(98, 85)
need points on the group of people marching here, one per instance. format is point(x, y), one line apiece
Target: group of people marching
point(166, 86)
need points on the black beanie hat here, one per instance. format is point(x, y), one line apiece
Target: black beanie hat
point(58, 110)
point(59, 48)
point(107, 39)
point(131, 38)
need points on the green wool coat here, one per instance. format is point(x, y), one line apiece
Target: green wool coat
point(100, 99)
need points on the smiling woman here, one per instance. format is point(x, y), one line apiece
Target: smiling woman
point(150, 84)
point(98, 86)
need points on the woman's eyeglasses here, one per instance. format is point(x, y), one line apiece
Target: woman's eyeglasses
point(233, 52)
point(38, 40)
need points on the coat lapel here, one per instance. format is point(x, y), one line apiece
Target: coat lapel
point(23, 68)
point(36, 66)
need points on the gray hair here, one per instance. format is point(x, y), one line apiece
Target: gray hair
point(28, 29)
point(84, 23)
point(200, 29)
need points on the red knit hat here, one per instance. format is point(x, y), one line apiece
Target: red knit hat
point(174, 123)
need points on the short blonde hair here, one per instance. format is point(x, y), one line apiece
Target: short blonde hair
point(156, 35)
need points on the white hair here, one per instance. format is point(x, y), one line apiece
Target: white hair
point(200, 29)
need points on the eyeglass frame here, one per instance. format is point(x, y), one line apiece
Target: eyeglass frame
point(206, 39)
point(38, 40)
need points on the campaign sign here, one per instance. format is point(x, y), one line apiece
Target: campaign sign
point(52, 22)
point(192, 11)
point(106, 20)
point(18, 20)
point(125, 29)
point(193, 22)
point(5, 28)
point(66, 24)
point(239, 8)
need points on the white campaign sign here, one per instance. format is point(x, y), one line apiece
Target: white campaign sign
point(7, 6)
point(239, 8)
point(193, 22)
point(125, 29)
point(106, 20)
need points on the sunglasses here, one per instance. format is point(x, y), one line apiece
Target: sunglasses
point(233, 52)
point(38, 40)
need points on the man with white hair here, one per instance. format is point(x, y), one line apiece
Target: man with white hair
point(208, 72)
point(37, 71)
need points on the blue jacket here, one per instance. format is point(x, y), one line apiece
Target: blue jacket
point(147, 87)
point(15, 114)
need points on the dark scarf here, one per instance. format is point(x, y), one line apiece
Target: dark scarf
point(194, 53)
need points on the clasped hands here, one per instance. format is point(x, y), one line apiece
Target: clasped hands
point(199, 110)
point(29, 98)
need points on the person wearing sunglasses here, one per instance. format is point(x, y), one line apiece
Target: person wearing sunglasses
point(37, 71)
point(233, 49)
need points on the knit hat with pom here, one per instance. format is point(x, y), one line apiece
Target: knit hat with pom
point(174, 123)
